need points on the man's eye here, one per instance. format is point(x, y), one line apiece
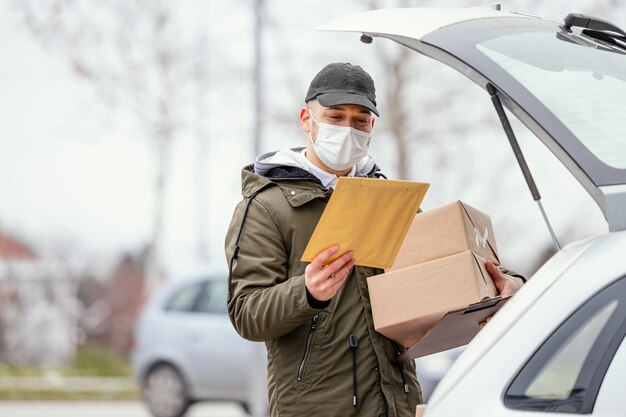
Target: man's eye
point(362, 121)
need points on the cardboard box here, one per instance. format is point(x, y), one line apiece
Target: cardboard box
point(445, 231)
point(407, 303)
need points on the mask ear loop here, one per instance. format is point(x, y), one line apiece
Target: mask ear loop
point(311, 128)
point(312, 118)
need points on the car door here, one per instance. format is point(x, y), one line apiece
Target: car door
point(221, 358)
point(175, 337)
point(580, 368)
point(611, 399)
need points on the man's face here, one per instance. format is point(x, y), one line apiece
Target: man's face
point(350, 115)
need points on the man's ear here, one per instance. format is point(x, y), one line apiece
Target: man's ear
point(373, 120)
point(305, 119)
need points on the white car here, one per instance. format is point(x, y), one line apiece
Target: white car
point(186, 350)
point(557, 345)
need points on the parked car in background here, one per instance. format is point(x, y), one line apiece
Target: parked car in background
point(558, 345)
point(186, 350)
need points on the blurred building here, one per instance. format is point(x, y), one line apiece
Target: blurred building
point(38, 307)
point(114, 303)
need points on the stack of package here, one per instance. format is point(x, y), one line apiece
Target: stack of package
point(439, 269)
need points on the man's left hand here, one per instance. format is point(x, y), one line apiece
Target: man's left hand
point(507, 284)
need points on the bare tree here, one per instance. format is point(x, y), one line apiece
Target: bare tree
point(257, 75)
point(403, 79)
point(132, 54)
point(395, 70)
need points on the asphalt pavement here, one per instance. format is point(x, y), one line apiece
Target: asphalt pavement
point(107, 409)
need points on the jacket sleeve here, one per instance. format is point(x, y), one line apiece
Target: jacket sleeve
point(265, 303)
point(512, 273)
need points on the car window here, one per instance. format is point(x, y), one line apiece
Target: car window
point(611, 398)
point(583, 86)
point(184, 299)
point(212, 298)
point(565, 374)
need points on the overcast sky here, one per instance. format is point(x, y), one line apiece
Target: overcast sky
point(75, 173)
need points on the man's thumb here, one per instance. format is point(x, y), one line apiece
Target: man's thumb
point(493, 271)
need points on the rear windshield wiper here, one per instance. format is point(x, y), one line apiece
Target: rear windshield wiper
point(612, 38)
point(596, 28)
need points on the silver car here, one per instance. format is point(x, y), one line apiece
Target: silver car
point(186, 349)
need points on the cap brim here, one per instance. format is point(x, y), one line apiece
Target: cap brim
point(337, 99)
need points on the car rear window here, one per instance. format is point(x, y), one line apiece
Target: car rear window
point(584, 86)
point(184, 299)
point(213, 298)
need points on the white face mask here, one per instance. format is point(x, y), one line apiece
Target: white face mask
point(340, 147)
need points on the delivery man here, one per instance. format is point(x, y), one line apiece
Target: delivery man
point(324, 356)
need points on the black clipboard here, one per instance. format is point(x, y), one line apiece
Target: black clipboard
point(456, 328)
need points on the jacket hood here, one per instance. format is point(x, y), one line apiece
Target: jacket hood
point(283, 158)
point(295, 158)
point(290, 165)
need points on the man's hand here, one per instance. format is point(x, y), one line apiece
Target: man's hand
point(323, 281)
point(507, 284)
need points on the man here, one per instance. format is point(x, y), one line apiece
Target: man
point(324, 356)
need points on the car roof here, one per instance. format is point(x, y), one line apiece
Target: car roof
point(452, 36)
point(197, 271)
point(193, 275)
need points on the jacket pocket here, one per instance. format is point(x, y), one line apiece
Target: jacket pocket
point(300, 374)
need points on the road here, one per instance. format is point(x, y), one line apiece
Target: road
point(106, 409)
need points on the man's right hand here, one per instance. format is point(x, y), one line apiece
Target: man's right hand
point(323, 281)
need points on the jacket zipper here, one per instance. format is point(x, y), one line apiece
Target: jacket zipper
point(353, 341)
point(306, 348)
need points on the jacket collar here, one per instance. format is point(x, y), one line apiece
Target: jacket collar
point(298, 186)
point(287, 170)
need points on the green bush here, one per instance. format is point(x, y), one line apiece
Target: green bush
point(96, 363)
point(92, 360)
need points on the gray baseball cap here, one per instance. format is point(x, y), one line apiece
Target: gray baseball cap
point(343, 83)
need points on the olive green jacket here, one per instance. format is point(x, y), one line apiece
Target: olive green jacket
point(312, 367)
